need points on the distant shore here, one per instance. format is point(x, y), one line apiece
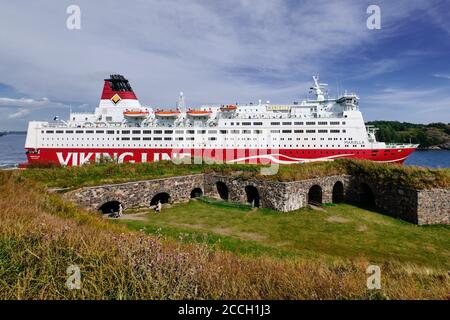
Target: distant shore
point(4, 133)
point(445, 147)
point(432, 136)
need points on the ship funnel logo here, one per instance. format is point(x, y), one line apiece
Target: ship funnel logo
point(116, 98)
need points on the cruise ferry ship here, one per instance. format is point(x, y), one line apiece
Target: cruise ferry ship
point(122, 130)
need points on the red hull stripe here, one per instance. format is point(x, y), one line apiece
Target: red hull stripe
point(74, 157)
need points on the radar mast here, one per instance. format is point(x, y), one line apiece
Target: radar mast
point(181, 103)
point(319, 88)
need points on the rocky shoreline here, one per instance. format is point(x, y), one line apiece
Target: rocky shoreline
point(444, 146)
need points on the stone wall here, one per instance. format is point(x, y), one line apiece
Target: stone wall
point(393, 200)
point(272, 194)
point(281, 196)
point(433, 206)
point(298, 190)
point(137, 194)
point(416, 206)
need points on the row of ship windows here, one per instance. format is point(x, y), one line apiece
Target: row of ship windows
point(308, 123)
point(192, 145)
point(187, 139)
point(193, 131)
point(289, 123)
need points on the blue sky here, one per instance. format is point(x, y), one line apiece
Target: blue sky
point(225, 51)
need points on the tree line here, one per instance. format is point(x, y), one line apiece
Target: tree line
point(426, 135)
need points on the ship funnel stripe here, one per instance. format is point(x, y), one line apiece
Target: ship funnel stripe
point(117, 84)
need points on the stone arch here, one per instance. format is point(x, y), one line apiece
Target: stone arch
point(252, 195)
point(222, 190)
point(366, 196)
point(196, 192)
point(338, 192)
point(110, 207)
point(163, 197)
point(315, 194)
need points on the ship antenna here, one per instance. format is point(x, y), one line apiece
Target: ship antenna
point(320, 94)
point(181, 103)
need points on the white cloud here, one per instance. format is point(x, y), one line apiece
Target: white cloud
point(440, 75)
point(23, 107)
point(379, 67)
point(23, 102)
point(405, 104)
point(214, 51)
point(19, 114)
point(438, 15)
point(164, 47)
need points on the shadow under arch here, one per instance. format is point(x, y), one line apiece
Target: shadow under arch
point(366, 196)
point(163, 197)
point(338, 192)
point(222, 190)
point(110, 207)
point(196, 192)
point(315, 195)
point(252, 195)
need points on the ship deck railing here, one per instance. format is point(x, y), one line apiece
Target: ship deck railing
point(119, 124)
point(401, 145)
point(284, 116)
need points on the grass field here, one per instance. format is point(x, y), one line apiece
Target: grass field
point(260, 254)
point(334, 232)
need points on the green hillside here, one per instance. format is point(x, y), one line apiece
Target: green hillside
point(427, 135)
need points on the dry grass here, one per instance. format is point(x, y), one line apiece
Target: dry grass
point(40, 236)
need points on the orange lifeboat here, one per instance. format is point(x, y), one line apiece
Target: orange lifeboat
point(136, 113)
point(228, 108)
point(167, 114)
point(199, 113)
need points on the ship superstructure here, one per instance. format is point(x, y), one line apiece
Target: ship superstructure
point(121, 129)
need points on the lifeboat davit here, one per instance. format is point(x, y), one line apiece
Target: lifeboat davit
point(167, 114)
point(228, 108)
point(198, 113)
point(136, 113)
